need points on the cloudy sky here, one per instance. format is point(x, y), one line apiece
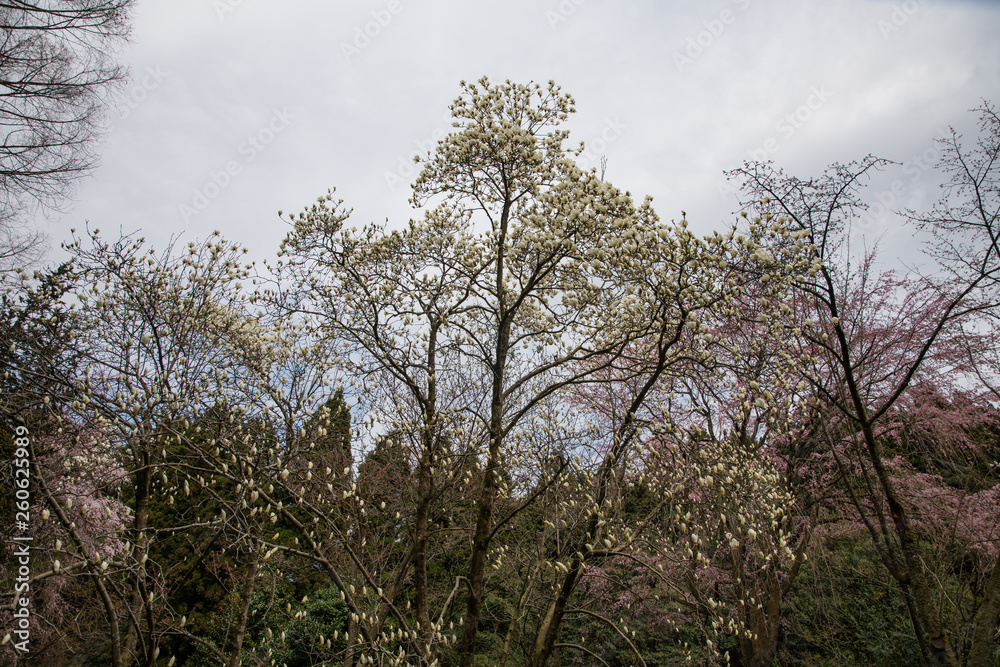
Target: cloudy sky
point(239, 108)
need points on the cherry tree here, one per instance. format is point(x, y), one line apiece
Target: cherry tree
point(870, 336)
point(77, 482)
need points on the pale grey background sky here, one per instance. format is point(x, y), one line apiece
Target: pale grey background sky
point(280, 100)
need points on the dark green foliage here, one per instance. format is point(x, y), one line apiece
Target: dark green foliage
point(205, 564)
point(846, 610)
point(330, 428)
point(321, 616)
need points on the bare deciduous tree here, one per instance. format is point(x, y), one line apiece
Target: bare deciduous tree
point(56, 66)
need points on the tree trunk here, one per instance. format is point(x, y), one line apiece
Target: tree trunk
point(241, 621)
point(480, 545)
point(987, 623)
point(143, 477)
point(759, 651)
point(420, 556)
point(515, 617)
point(352, 640)
point(931, 635)
point(487, 496)
point(927, 625)
point(549, 631)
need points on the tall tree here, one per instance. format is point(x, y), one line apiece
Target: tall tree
point(488, 306)
point(529, 277)
point(694, 398)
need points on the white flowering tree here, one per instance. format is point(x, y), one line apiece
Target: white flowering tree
point(692, 399)
point(465, 330)
point(134, 346)
point(483, 310)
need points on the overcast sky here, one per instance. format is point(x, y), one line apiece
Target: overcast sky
point(239, 108)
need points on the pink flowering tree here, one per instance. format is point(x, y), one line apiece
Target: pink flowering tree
point(78, 520)
point(870, 336)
